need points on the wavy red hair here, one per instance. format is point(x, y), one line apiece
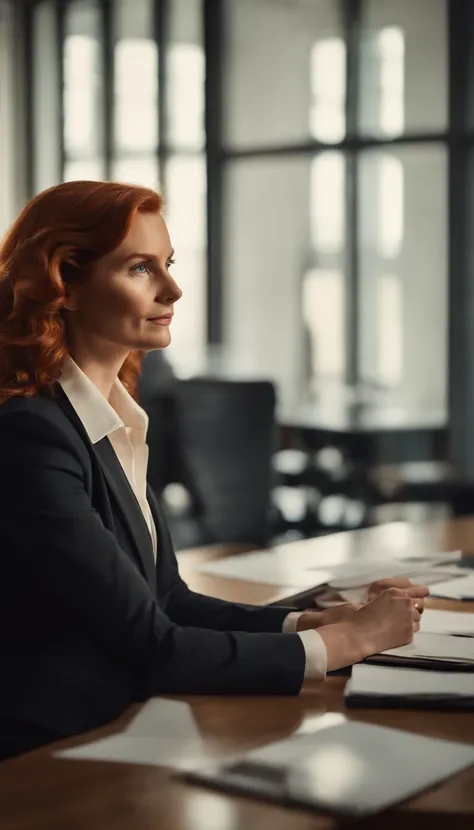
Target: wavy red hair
point(52, 244)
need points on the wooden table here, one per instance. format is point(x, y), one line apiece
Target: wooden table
point(40, 792)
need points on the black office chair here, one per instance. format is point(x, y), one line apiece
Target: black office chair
point(225, 438)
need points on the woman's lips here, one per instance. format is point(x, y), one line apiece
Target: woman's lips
point(161, 321)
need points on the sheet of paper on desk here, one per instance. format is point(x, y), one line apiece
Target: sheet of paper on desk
point(383, 681)
point(164, 733)
point(448, 622)
point(438, 647)
point(357, 574)
point(462, 589)
point(431, 578)
point(267, 567)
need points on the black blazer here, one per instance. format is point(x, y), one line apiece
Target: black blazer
point(88, 624)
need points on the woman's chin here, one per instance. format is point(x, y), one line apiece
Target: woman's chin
point(160, 340)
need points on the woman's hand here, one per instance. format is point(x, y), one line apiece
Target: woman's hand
point(416, 592)
point(388, 621)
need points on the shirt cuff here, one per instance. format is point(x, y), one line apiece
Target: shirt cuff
point(316, 655)
point(290, 622)
point(314, 646)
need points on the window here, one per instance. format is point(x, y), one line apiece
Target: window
point(135, 94)
point(185, 213)
point(335, 223)
point(328, 90)
point(184, 178)
point(402, 245)
point(283, 73)
point(82, 93)
point(402, 88)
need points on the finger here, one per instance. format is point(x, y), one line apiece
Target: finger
point(416, 615)
point(417, 591)
point(391, 582)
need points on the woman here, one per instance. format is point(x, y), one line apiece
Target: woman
point(93, 612)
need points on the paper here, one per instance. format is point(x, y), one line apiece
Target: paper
point(436, 647)
point(461, 589)
point(268, 567)
point(387, 681)
point(164, 733)
point(279, 567)
point(358, 574)
point(448, 622)
point(164, 719)
point(127, 749)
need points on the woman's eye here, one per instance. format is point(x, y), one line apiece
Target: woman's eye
point(170, 263)
point(141, 268)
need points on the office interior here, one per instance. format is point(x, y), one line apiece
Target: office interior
point(316, 161)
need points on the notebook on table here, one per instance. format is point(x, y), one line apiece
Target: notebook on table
point(383, 687)
point(431, 651)
point(350, 770)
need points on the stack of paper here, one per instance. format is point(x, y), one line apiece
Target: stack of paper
point(348, 580)
point(457, 623)
point(460, 589)
point(439, 651)
point(268, 567)
point(379, 686)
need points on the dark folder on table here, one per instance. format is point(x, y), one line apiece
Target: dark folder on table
point(386, 687)
point(351, 770)
point(442, 652)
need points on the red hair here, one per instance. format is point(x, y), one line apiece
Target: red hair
point(56, 238)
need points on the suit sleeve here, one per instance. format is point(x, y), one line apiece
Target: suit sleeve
point(76, 564)
point(187, 607)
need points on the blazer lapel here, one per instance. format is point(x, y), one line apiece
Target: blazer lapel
point(129, 507)
point(123, 494)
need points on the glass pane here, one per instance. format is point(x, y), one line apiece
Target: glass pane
point(185, 214)
point(82, 94)
point(88, 170)
point(323, 310)
point(323, 294)
point(328, 90)
point(284, 72)
point(136, 79)
point(143, 171)
point(402, 87)
point(185, 76)
point(327, 183)
point(283, 274)
point(403, 272)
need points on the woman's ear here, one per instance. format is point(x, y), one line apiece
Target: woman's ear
point(71, 302)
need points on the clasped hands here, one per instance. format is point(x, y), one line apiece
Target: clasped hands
point(346, 611)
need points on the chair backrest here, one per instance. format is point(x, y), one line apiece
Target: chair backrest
point(226, 437)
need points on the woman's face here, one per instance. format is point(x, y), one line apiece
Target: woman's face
point(128, 298)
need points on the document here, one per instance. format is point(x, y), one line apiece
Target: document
point(358, 574)
point(279, 567)
point(268, 567)
point(164, 733)
point(351, 770)
point(439, 649)
point(390, 686)
point(458, 623)
point(460, 589)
